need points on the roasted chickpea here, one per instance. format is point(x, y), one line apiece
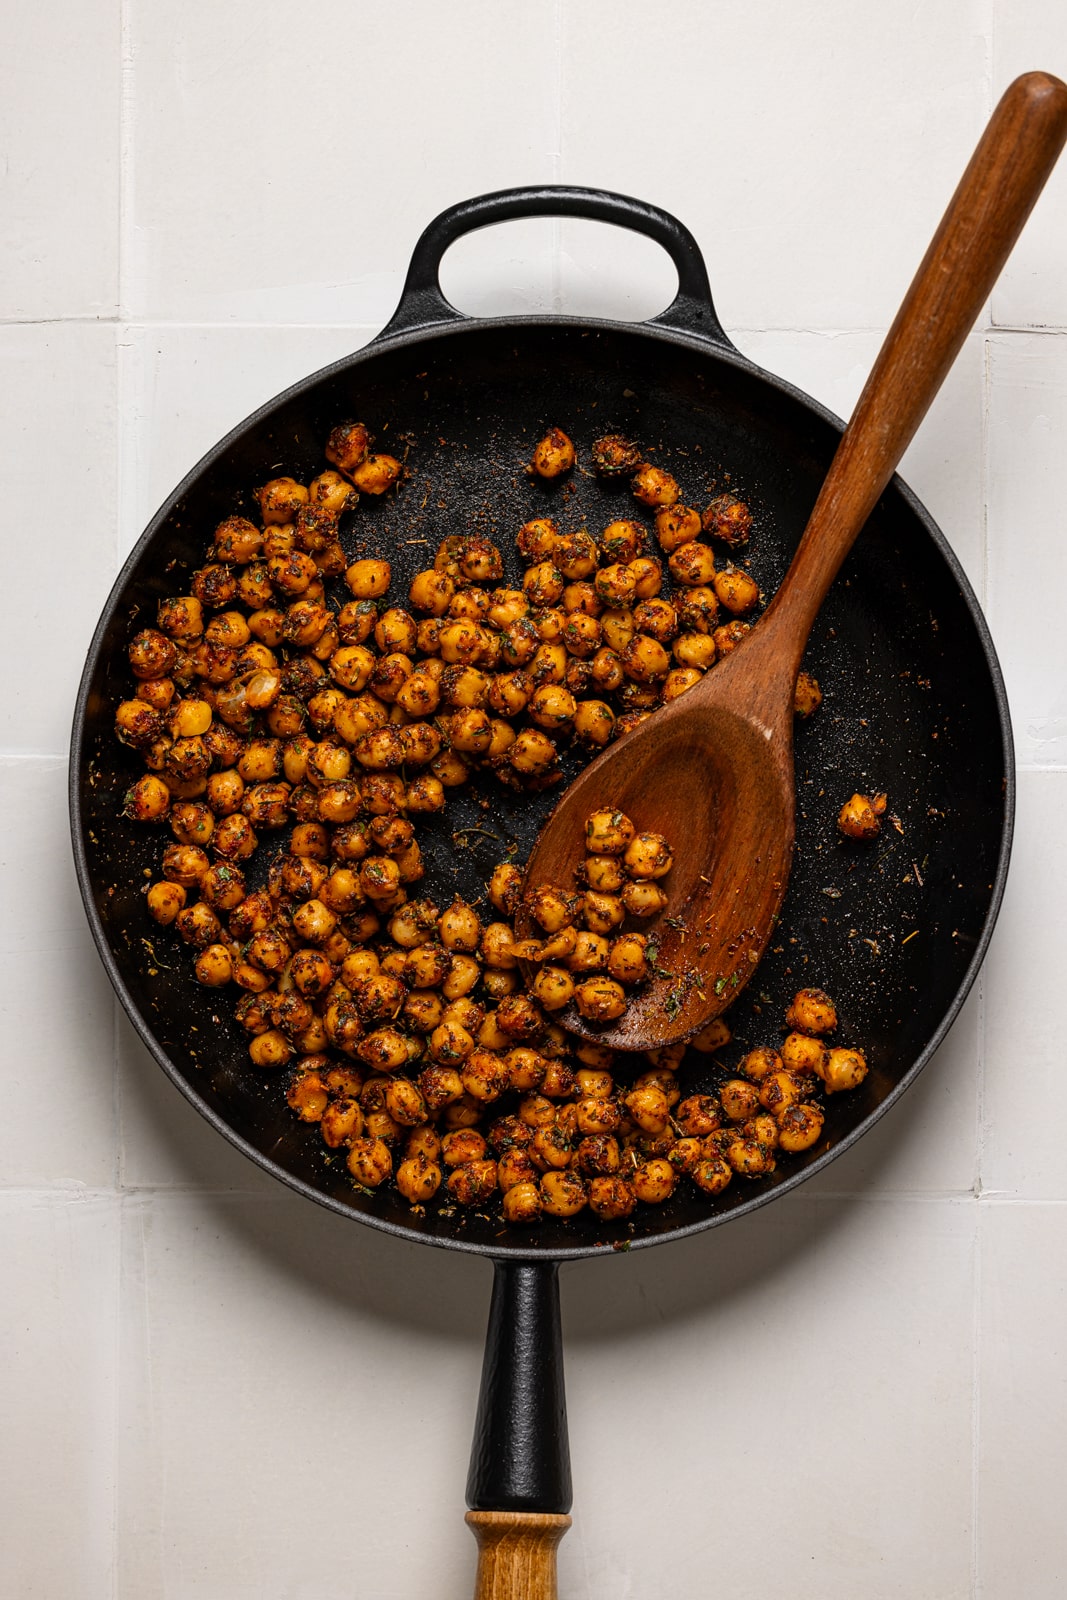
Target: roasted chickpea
point(532, 755)
point(812, 1012)
point(563, 1194)
point(611, 1198)
point(608, 832)
point(553, 455)
point(600, 999)
point(376, 474)
point(627, 959)
point(808, 696)
point(614, 456)
point(648, 855)
point(653, 486)
point(728, 519)
point(692, 565)
point(861, 817)
point(370, 1162)
point(616, 588)
point(654, 1181)
point(711, 1174)
point(799, 1127)
point(473, 1184)
point(737, 591)
point(648, 1108)
point(842, 1069)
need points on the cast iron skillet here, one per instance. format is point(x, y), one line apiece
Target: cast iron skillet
point(915, 705)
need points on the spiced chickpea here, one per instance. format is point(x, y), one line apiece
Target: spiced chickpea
point(654, 1181)
point(563, 1194)
point(648, 855)
point(812, 1012)
point(532, 755)
point(600, 999)
point(799, 1127)
point(553, 455)
point(737, 591)
point(861, 817)
point(692, 565)
point(654, 487)
point(727, 518)
point(473, 1184)
point(611, 1198)
point(807, 697)
point(843, 1069)
point(608, 832)
point(614, 456)
point(729, 635)
point(628, 959)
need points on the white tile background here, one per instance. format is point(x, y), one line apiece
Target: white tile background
point(210, 1390)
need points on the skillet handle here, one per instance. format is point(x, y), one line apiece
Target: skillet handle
point(423, 305)
point(519, 1485)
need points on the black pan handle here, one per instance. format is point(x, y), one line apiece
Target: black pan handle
point(519, 1484)
point(423, 305)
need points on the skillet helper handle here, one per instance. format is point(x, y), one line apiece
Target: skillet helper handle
point(519, 1484)
point(985, 216)
point(423, 304)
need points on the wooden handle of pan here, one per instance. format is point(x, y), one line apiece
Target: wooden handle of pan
point(516, 1554)
point(985, 216)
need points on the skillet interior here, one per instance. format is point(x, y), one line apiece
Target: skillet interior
point(914, 705)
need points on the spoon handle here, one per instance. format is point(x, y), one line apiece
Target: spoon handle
point(985, 216)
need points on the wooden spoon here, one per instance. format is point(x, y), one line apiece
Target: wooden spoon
point(713, 770)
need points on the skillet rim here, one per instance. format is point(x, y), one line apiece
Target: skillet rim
point(388, 342)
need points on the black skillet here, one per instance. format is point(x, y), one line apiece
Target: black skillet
point(915, 705)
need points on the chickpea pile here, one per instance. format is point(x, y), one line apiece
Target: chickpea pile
point(404, 1027)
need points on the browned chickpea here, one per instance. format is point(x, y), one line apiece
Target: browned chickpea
point(711, 1174)
point(603, 873)
point(553, 988)
point(600, 999)
point(376, 474)
point(405, 1103)
point(654, 487)
point(808, 696)
point(648, 1108)
point(137, 723)
point(532, 755)
point(181, 617)
point(518, 1017)
point(812, 1012)
point(370, 1162)
point(148, 800)
point(737, 591)
point(728, 519)
point(713, 1037)
point(627, 959)
point(473, 1184)
point(505, 888)
point(841, 1069)
point(515, 1166)
point(418, 1178)
point(598, 1153)
point(597, 1114)
point(615, 588)
point(648, 855)
point(485, 1076)
point(602, 913)
point(643, 899)
point(614, 456)
point(522, 1204)
point(749, 1158)
point(341, 1122)
point(272, 1049)
point(780, 1090)
point(760, 1064)
point(165, 900)
point(553, 455)
point(799, 1127)
point(692, 565)
point(611, 1198)
point(861, 817)
point(654, 1181)
point(676, 525)
point(700, 1115)
point(526, 1069)
point(729, 636)
point(185, 864)
point(645, 660)
point(550, 1147)
point(563, 1194)
point(739, 1099)
point(695, 650)
point(679, 681)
